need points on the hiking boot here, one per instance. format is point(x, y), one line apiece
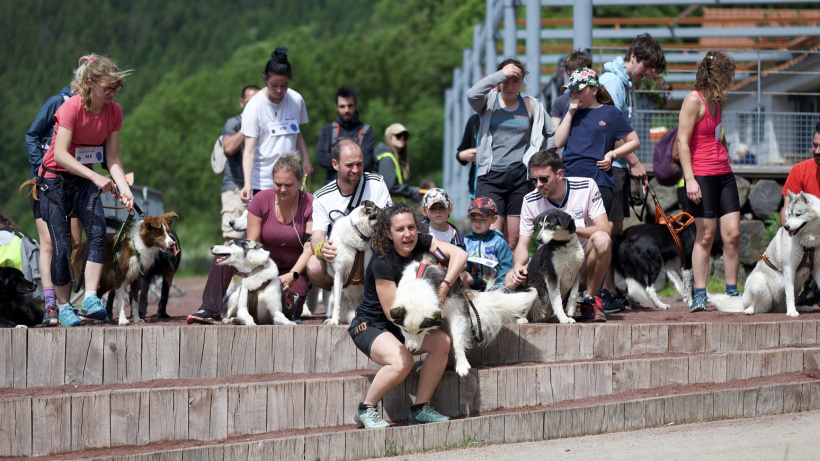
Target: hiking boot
point(592, 309)
point(610, 304)
point(370, 418)
point(93, 309)
point(51, 317)
point(427, 414)
point(698, 303)
point(68, 318)
point(201, 316)
point(810, 295)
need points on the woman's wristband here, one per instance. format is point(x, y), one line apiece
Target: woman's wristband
point(318, 251)
point(447, 282)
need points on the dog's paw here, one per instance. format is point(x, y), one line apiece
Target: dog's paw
point(749, 310)
point(306, 312)
point(792, 313)
point(331, 322)
point(567, 321)
point(229, 320)
point(662, 306)
point(21, 326)
point(521, 321)
point(123, 321)
point(463, 368)
point(137, 320)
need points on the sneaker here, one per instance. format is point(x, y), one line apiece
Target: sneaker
point(610, 304)
point(427, 414)
point(370, 418)
point(592, 309)
point(68, 318)
point(201, 316)
point(733, 293)
point(93, 309)
point(698, 303)
point(620, 298)
point(51, 317)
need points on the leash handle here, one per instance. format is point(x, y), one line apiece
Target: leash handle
point(136, 207)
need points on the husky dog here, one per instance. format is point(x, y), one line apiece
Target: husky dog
point(141, 245)
point(555, 269)
point(351, 234)
point(791, 257)
point(240, 223)
point(260, 279)
point(639, 255)
point(416, 311)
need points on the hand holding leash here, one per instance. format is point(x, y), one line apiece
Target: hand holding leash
point(103, 183)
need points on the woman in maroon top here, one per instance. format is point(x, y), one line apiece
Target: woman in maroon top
point(282, 220)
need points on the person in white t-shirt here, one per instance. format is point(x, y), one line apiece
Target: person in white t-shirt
point(336, 199)
point(581, 199)
point(270, 124)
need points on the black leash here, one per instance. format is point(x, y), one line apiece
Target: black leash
point(126, 227)
point(478, 337)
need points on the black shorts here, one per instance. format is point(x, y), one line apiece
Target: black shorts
point(365, 331)
point(506, 188)
point(719, 196)
point(620, 195)
point(606, 196)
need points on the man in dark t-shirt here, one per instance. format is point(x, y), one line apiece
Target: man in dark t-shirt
point(232, 178)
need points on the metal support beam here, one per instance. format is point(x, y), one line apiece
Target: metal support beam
point(510, 36)
point(681, 32)
point(533, 47)
point(633, 3)
point(582, 30)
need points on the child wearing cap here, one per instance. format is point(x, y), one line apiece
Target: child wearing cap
point(436, 207)
point(489, 254)
point(589, 131)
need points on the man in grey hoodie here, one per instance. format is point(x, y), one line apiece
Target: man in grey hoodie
point(643, 59)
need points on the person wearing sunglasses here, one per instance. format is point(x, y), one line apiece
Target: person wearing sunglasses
point(70, 187)
point(393, 163)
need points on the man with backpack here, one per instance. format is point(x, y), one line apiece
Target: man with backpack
point(346, 126)
point(233, 178)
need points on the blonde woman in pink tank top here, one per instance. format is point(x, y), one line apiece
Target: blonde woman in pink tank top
point(710, 184)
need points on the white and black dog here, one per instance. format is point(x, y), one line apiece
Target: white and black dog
point(17, 308)
point(555, 269)
point(351, 236)
point(260, 291)
point(639, 255)
point(416, 311)
point(791, 257)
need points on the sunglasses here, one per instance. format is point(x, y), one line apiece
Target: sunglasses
point(401, 135)
point(109, 89)
point(542, 179)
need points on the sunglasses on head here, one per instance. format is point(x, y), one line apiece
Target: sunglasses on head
point(542, 179)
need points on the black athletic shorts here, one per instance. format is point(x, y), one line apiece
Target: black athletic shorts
point(365, 331)
point(606, 196)
point(719, 196)
point(506, 188)
point(620, 195)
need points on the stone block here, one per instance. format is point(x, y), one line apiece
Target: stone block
point(765, 198)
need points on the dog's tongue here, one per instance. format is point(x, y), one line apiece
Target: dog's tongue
point(791, 233)
point(174, 249)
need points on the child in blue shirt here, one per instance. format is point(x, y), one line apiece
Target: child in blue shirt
point(489, 254)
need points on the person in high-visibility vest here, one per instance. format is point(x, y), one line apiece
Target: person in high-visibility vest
point(393, 163)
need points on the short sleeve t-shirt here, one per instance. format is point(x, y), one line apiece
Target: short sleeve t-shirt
point(276, 128)
point(804, 177)
point(233, 177)
point(582, 201)
point(560, 105)
point(592, 134)
point(388, 268)
point(87, 129)
point(329, 200)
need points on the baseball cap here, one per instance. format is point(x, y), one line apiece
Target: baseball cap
point(483, 205)
point(394, 129)
point(436, 195)
point(581, 79)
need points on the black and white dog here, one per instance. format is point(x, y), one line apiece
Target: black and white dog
point(17, 308)
point(639, 255)
point(555, 269)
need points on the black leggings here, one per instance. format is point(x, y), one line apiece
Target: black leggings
point(719, 196)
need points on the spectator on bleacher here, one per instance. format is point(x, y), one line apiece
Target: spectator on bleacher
point(710, 183)
point(574, 61)
point(512, 128)
point(393, 163)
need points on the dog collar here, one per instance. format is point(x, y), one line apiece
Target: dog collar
point(253, 272)
point(361, 235)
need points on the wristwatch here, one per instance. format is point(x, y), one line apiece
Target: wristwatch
point(295, 275)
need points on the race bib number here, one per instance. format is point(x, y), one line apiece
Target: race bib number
point(88, 155)
point(283, 128)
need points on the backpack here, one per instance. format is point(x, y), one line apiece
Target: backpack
point(667, 170)
point(334, 136)
point(22, 252)
point(218, 157)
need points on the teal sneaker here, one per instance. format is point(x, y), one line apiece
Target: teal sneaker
point(68, 318)
point(698, 303)
point(427, 414)
point(93, 309)
point(51, 317)
point(370, 418)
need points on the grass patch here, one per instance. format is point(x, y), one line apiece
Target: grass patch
point(713, 285)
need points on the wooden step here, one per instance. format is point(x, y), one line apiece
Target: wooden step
point(45, 357)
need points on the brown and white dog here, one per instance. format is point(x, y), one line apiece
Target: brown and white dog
point(146, 237)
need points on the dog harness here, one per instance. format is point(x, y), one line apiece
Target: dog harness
point(356, 275)
point(675, 224)
point(253, 300)
point(807, 261)
point(478, 334)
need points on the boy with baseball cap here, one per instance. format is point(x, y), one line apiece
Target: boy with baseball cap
point(436, 206)
point(489, 254)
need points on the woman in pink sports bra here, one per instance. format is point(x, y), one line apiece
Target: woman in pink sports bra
point(710, 183)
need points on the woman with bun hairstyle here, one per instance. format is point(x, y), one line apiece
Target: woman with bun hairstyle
point(70, 186)
point(270, 124)
point(710, 183)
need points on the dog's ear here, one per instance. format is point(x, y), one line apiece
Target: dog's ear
point(539, 220)
point(369, 205)
point(566, 221)
point(154, 221)
point(169, 217)
point(435, 321)
point(397, 314)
